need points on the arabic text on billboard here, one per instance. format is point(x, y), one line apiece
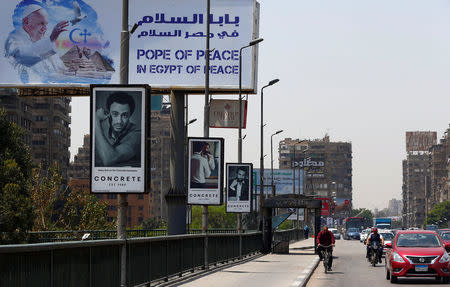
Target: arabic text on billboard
point(420, 141)
point(79, 43)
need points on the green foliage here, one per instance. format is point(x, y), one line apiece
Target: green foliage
point(16, 216)
point(65, 209)
point(217, 217)
point(439, 215)
point(364, 212)
point(154, 223)
point(287, 224)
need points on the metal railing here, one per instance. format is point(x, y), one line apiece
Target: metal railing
point(97, 262)
point(75, 235)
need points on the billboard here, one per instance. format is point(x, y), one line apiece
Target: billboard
point(342, 204)
point(77, 43)
point(225, 114)
point(239, 187)
point(420, 141)
point(282, 180)
point(118, 146)
point(205, 170)
point(325, 210)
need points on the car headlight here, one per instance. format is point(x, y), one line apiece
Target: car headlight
point(445, 258)
point(397, 258)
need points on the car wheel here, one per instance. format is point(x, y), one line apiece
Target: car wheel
point(446, 279)
point(388, 274)
point(393, 279)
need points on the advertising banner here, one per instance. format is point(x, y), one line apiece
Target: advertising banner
point(282, 180)
point(295, 211)
point(420, 141)
point(325, 205)
point(225, 114)
point(205, 171)
point(342, 204)
point(77, 43)
point(118, 146)
point(239, 187)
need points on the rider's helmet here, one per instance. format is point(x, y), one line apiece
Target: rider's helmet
point(375, 230)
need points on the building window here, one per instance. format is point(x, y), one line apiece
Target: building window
point(140, 196)
point(140, 219)
point(140, 208)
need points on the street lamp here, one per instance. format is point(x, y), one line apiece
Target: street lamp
point(261, 159)
point(252, 43)
point(271, 156)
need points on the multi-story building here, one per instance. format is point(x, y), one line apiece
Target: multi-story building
point(417, 175)
point(46, 121)
point(395, 207)
point(329, 171)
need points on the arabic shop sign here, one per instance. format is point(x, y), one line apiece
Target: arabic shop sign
point(307, 163)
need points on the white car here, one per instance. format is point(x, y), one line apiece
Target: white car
point(335, 232)
point(364, 234)
point(388, 236)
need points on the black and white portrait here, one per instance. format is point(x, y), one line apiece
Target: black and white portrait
point(118, 128)
point(239, 186)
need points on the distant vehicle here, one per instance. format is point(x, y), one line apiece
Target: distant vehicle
point(364, 234)
point(382, 223)
point(417, 253)
point(445, 237)
point(352, 233)
point(388, 236)
point(336, 233)
point(431, 227)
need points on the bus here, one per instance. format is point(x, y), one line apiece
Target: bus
point(354, 222)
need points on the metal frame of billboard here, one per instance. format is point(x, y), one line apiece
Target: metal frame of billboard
point(81, 89)
point(195, 193)
point(145, 126)
point(250, 189)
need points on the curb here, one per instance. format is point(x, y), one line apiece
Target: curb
point(303, 279)
point(302, 248)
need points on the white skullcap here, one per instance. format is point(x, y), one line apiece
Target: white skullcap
point(30, 9)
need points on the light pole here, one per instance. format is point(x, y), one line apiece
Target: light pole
point(261, 159)
point(252, 43)
point(271, 157)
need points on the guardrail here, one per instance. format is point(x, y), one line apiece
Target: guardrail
point(75, 235)
point(97, 262)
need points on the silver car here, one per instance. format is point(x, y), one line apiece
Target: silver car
point(335, 232)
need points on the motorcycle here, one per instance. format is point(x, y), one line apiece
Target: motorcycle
point(374, 253)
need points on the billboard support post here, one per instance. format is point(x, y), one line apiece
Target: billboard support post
point(206, 124)
point(176, 197)
point(122, 200)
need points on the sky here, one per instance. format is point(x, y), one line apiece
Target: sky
point(363, 72)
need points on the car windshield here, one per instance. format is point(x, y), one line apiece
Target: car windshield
point(446, 236)
point(387, 236)
point(417, 240)
point(353, 230)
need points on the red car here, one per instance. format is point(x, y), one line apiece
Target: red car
point(417, 253)
point(445, 237)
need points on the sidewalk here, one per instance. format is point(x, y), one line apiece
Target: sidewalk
point(290, 270)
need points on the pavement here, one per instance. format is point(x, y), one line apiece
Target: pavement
point(289, 270)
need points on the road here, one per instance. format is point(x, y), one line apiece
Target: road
point(350, 268)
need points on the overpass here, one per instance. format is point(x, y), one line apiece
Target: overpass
point(150, 260)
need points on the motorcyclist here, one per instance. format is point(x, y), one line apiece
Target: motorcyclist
point(326, 238)
point(375, 237)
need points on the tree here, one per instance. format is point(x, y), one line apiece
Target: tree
point(154, 223)
point(217, 217)
point(439, 215)
point(364, 212)
point(16, 214)
point(59, 208)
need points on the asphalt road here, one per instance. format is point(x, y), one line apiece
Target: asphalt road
point(350, 268)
